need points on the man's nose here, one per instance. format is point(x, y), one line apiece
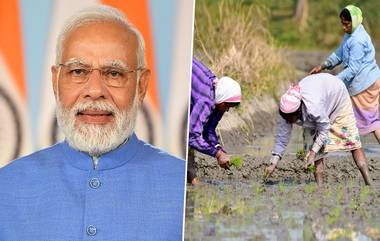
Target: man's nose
point(95, 85)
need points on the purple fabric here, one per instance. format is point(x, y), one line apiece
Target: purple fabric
point(203, 116)
point(367, 121)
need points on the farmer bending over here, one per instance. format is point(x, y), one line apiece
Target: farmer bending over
point(321, 104)
point(210, 98)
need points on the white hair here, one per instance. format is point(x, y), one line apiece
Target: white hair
point(100, 13)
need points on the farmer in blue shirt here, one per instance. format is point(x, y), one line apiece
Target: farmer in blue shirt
point(360, 74)
point(102, 182)
point(210, 99)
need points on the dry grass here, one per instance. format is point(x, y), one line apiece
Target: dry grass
point(231, 37)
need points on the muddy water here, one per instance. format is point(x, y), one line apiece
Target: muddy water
point(237, 205)
point(225, 210)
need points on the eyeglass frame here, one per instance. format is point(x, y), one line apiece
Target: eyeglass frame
point(101, 72)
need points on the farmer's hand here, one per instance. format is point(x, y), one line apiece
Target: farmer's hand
point(310, 158)
point(273, 163)
point(223, 159)
point(316, 70)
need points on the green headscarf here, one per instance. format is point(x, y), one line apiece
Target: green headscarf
point(356, 16)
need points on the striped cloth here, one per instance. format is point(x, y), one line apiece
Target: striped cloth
point(203, 116)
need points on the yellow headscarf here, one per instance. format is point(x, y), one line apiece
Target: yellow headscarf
point(356, 16)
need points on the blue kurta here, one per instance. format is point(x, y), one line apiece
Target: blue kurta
point(136, 193)
point(357, 55)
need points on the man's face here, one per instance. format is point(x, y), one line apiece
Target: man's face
point(347, 26)
point(293, 117)
point(95, 101)
point(225, 106)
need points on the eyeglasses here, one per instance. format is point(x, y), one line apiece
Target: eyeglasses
point(111, 75)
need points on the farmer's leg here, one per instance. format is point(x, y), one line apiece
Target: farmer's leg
point(377, 135)
point(318, 174)
point(191, 171)
point(361, 163)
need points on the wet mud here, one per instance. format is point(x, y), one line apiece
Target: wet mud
point(338, 169)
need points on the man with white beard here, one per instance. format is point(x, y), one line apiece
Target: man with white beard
point(102, 182)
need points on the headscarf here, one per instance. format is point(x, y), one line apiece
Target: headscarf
point(291, 100)
point(356, 16)
point(227, 90)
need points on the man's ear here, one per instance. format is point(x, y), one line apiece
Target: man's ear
point(143, 84)
point(54, 79)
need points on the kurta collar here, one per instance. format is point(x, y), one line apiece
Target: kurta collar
point(109, 160)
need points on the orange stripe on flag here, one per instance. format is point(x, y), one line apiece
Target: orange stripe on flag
point(10, 42)
point(138, 13)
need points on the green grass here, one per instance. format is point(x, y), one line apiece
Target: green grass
point(240, 38)
point(322, 29)
point(232, 38)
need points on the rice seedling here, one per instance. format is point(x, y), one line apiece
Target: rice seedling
point(311, 169)
point(259, 189)
point(236, 161)
point(300, 154)
point(364, 193)
point(266, 175)
point(353, 204)
point(327, 193)
point(310, 188)
point(339, 194)
point(333, 215)
point(281, 187)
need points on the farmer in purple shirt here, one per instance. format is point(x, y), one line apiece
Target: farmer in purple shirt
point(210, 98)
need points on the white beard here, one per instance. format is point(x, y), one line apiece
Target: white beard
point(92, 138)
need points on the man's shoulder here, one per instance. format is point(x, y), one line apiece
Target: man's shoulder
point(157, 157)
point(360, 37)
point(155, 152)
point(31, 163)
point(165, 170)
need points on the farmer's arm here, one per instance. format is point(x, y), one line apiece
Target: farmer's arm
point(209, 130)
point(284, 132)
point(283, 135)
point(335, 58)
point(198, 118)
point(356, 56)
point(322, 123)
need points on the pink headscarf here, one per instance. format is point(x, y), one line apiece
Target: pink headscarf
point(291, 100)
